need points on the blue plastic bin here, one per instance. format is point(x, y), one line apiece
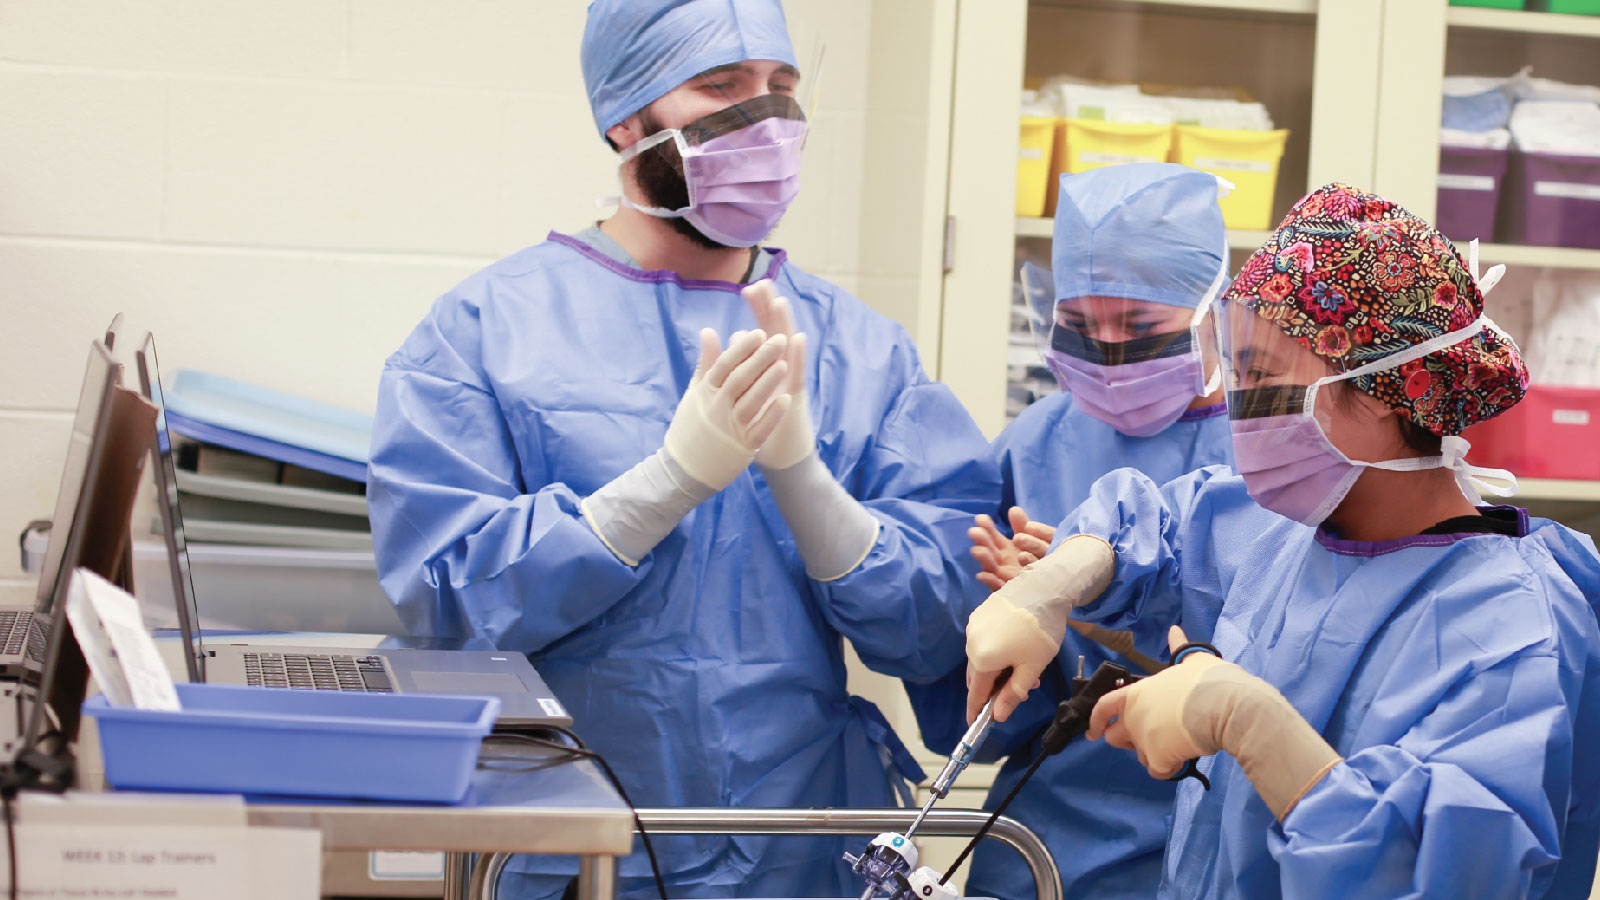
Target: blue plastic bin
point(246, 740)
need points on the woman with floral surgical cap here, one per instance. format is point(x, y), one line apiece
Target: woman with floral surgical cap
point(1404, 701)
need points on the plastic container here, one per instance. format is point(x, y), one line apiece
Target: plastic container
point(1034, 156)
point(1553, 433)
point(1090, 144)
point(1555, 201)
point(1249, 159)
point(1470, 179)
point(258, 588)
point(242, 740)
point(1574, 7)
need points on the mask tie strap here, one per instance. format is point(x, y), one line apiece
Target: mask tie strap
point(1475, 480)
point(621, 197)
point(1487, 280)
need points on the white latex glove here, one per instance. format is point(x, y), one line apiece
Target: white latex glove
point(793, 440)
point(1021, 626)
point(734, 402)
point(1205, 704)
point(1001, 557)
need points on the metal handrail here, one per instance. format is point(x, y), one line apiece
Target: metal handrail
point(719, 820)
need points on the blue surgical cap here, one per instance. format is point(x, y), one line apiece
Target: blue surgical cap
point(1142, 231)
point(635, 51)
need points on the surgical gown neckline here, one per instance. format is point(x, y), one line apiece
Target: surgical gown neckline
point(660, 276)
point(1204, 412)
point(1347, 547)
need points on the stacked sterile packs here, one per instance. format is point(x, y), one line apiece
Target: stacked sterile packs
point(259, 467)
point(1519, 161)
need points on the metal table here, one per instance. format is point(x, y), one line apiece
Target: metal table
point(600, 878)
point(533, 805)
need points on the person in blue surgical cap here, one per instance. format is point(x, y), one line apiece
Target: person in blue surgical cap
point(562, 465)
point(1139, 258)
point(1401, 702)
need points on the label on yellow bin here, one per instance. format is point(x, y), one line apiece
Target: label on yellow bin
point(1113, 159)
point(1211, 163)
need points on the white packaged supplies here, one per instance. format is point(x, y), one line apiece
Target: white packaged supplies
point(1564, 128)
point(1563, 346)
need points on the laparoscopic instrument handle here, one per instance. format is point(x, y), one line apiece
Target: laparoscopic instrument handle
point(1072, 715)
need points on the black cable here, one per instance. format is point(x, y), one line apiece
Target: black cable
point(582, 752)
point(32, 768)
point(984, 831)
point(11, 837)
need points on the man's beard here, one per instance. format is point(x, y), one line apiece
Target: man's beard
point(659, 174)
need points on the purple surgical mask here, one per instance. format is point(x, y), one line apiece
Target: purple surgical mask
point(1290, 468)
point(741, 166)
point(1141, 386)
point(1138, 399)
point(1289, 465)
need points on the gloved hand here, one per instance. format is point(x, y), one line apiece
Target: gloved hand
point(792, 441)
point(1001, 557)
point(734, 403)
point(1021, 626)
point(832, 531)
point(1205, 704)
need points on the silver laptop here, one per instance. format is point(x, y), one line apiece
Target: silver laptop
point(526, 702)
point(22, 627)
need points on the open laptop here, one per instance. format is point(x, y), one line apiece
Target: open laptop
point(526, 702)
point(106, 454)
point(23, 627)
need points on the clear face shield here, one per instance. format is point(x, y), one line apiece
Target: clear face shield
point(1289, 420)
point(1134, 364)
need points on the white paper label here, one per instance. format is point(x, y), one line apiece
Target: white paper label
point(173, 863)
point(1029, 153)
point(552, 707)
point(1570, 417)
point(106, 621)
point(1232, 165)
point(394, 865)
point(1113, 159)
point(1568, 189)
point(1466, 182)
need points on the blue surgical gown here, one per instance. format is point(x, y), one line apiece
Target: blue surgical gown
point(1103, 818)
point(1458, 676)
point(713, 673)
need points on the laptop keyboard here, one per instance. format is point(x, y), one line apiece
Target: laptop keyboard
point(317, 671)
point(17, 632)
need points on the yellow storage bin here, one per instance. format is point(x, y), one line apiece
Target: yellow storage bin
point(1033, 164)
point(1084, 144)
point(1249, 159)
point(1093, 144)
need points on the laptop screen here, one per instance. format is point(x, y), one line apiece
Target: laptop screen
point(85, 526)
point(166, 481)
point(93, 408)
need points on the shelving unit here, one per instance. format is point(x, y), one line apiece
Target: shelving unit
point(1552, 489)
point(1237, 239)
point(1538, 257)
point(1519, 20)
point(1374, 126)
point(1255, 7)
point(1287, 7)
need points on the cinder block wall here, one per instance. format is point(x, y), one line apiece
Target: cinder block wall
point(279, 189)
